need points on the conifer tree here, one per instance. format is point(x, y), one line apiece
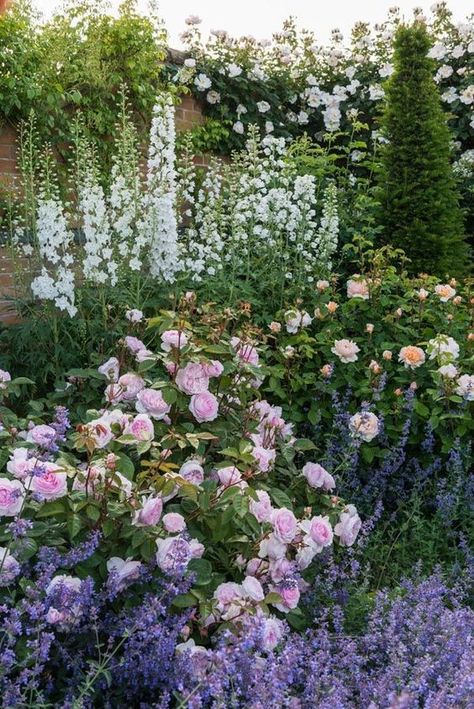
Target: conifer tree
point(419, 199)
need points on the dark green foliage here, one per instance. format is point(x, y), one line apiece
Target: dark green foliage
point(419, 199)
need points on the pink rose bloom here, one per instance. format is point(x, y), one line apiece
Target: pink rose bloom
point(261, 509)
point(171, 368)
point(245, 352)
point(173, 522)
point(348, 526)
point(9, 567)
point(326, 370)
point(280, 568)
point(346, 350)
point(19, 464)
point(151, 402)
point(229, 476)
point(192, 379)
point(255, 566)
point(204, 407)
point(5, 377)
point(72, 583)
point(173, 338)
point(271, 547)
point(412, 357)
point(322, 285)
point(149, 514)
point(113, 393)
point(227, 593)
point(275, 327)
point(357, 288)
point(214, 368)
point(51, 485)
point(134, 315)
point(252, 588)
point(192, 471)
point(264, 457)
point(290, 595)
point(134, 344)
point(320, 531)
point(100, 432)
point(284, 525)
point(110, 369)
point(364, 425)
point(197, 549)
point(141, 428)
point(144, 355)
point(123, 570)
point(42, 435)
point(465, 387)
point(272, 633)
point(12, 494)
point(317, 476)
point(131, 384)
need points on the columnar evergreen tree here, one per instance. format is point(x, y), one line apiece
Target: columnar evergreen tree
point(420, 204)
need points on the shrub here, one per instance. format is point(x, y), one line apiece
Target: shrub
point(419, 201)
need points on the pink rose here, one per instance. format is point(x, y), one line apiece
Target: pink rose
point(271, 547)
point(110, 369)
point(173, 338)
point(134, 315)
point(72, 583)
point(261, 509)
point(141, 428)
point(51, 485)
point(20, 464)
point(192, 471)
point(149, 514)
point(113, 393)
point(173, 522)
point(357, 288)
point(320, 531)
point(280, 569)
point(12, 494)
point(227, 593)
point(252, 588)
point(214, 368)
point(9, 567)
point(131, 384)
point(42, 435)
point(192, 379)
point(151, 401)
point(346, 350)
point(348, 526)
point(144, 355)
point(100, 431)
point(272, 633)
point(134, 344)
point(245, 352)
point(284, 525)
point(123, 570)
point(290, 595)
point(204, 407)
point(5, 377)
point(229, 476)
point(317, 476)
point(264, 457)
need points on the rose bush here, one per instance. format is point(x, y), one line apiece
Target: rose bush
point(181, 467)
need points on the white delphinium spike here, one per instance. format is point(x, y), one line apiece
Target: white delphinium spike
point(158, 227)
point(54, 241)
point(98, 264)
point(328, 231)
point(202, 247)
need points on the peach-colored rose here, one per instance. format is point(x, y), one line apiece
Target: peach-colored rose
point(412, 357)
point(326, 370)
point(275, 327)
point(364, 425)
point(322, 285)
point(369, 328)
point(332, 306)
point(357, 287)
point(386, 354)
point(375, 367)
point(445, 292)
point(422, 294)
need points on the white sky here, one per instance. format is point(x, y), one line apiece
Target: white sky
point(262, 17)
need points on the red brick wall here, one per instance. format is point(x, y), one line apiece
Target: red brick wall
point(188, 114)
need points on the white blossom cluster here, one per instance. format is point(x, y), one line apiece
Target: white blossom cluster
point(158, 228)
point(98, 264)
point(54, 241)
